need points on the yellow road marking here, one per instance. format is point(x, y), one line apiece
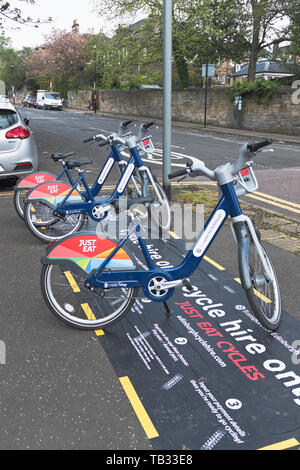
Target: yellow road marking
point(85, 307)
point(176, 237)
point(282, 445)
point(72, 281)
point(173, 235)
point(138, 407)
point(90, 316)
point(274, 203)
point(211, 261)
point(277, 199)
point(258, 294)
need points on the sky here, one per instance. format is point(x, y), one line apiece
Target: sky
point(63, 12)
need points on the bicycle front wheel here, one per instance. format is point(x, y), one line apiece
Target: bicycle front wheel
point(264, 295)
point(159, 211)
point(45, 226)
point(73, 303)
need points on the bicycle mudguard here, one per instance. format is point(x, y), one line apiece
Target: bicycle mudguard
point(29, 181)
point(243, 241)
point(53, 193)
point(87, 252)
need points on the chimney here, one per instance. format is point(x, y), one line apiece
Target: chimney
point(75, 27)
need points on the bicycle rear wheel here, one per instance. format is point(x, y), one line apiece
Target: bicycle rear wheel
point(73, 303)
point(19, 196)
point(45, 226)
point(264, 295)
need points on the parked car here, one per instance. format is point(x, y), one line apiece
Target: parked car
point(48, 100)
point(29, 102)
point(4, 98)
point(18, 150)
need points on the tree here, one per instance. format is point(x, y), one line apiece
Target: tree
point(199, 26)
point(61, 60)
point(265, 25)
point(12, 69)
point(226, 29)
point(9, 12)
point(294, 48)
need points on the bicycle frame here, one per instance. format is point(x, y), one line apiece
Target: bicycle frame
point(103, 264)
point(135, 162)
point(227, 205)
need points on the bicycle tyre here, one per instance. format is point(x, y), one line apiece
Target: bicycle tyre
point(263, 296)
point(19, 202)
point(87, 305)
point(59, 229)
point(159, 214)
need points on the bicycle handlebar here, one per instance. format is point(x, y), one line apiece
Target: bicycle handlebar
point(89, 139)
point(175, 174)
point(232, 169)
point(254, 146)
point(126, 123)
point(147, 125)
point(103, 144)
point(95, 138)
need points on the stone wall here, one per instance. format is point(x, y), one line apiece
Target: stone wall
point(280, 115)
point(81, 99)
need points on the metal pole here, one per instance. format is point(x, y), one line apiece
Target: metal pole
point(95, 80)
point(167, 93)
point(206, 87)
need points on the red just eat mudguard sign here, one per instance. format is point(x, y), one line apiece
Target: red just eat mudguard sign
point(54, 193)
point(34, 179)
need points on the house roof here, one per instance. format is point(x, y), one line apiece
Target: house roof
point(267, 66)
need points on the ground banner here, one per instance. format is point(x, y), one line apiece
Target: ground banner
point(208, 376)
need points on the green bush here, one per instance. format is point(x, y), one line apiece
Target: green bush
point(135, 81)
point(261, 90)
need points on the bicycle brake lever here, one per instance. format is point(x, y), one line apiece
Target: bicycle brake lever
point(265, 150)
point(183, 178)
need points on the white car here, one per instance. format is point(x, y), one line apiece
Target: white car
point(18, 150)
point(48, 100)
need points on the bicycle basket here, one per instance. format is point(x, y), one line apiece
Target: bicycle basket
point(247, 182)
point(146, 145)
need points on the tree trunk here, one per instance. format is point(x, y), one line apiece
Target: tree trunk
point(256, 25)
point(252, 64)
point(182, 70)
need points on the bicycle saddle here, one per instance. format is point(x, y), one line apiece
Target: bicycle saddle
point(60, 156)
point(77, 163)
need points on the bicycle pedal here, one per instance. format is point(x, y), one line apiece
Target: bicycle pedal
point(167, 310)
point(187, 284)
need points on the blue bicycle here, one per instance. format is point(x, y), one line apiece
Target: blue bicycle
point(27, 182)
point(56, 209)
point(91, 282)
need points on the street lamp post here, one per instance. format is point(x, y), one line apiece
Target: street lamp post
point(13, 81)
point(167, 93)
point(95, 79)
point(206, 88)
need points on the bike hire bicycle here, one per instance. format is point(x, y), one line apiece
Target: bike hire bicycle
point(54, 210)
point(91, 282)
point(27, 182)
